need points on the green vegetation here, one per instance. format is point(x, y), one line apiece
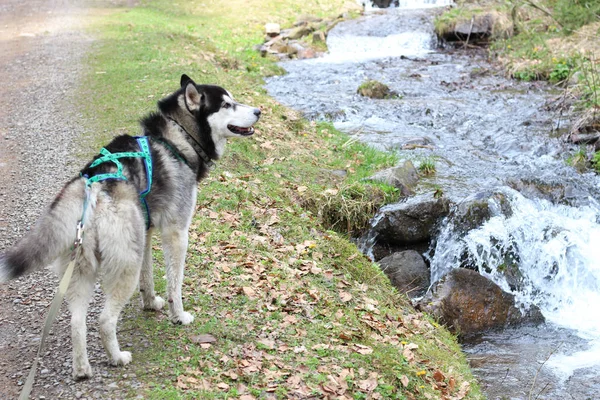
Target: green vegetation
point(295, 309)
point(375, 90)
point(427, 166)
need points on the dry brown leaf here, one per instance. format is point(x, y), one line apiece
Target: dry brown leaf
point(267, 145)
point(268, 343)
point(345, 296)
point(464, 389)
point(438, 376)
point(248, 291)
point(362, 349)
point(200, 339)
point(404, 380)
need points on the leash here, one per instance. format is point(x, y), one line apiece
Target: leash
point(58, 298)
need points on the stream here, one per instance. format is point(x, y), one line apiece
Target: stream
point(483, 132)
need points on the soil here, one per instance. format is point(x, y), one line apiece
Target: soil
point(42, 48)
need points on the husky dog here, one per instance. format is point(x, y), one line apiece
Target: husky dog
point(182, 139)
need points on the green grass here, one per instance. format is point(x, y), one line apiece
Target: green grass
point(270, 271)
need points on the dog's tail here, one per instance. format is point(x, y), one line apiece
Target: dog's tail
point(52, 235)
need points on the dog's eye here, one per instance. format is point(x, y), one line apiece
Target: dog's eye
point(226, 105)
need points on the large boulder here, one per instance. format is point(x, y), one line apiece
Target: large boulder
point(412, 221)
point(479, 26)
point(475, 210)
point(385, 3)
point(468, 303)
point(407, 272)
point(404, 176)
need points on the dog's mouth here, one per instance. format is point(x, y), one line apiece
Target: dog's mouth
point(238, 130)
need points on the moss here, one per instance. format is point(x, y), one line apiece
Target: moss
point(374, 89)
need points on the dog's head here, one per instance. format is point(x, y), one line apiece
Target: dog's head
point(215, 105)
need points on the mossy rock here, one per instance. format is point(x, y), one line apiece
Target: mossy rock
point(375, 90)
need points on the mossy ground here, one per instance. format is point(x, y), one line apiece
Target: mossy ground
point(295, 309)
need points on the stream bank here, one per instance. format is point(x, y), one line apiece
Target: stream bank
point(483, 132)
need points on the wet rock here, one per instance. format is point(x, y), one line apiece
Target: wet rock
point(319, 37)
point(587, 127)
point(403, 177)
point(468, 303)
point(584, 138)
point(412, 221)
point(307, 20)
point(272, 29)
point(407, 272)
point(385, 3)
point(475, 210)
point(555, 192)
point(417, 142)
point(306, 53)
point(477, 28)
point(298, 32)
point(374, 90)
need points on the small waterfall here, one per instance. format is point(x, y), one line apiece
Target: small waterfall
point(554, 253)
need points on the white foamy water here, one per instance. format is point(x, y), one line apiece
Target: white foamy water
point(557, 250)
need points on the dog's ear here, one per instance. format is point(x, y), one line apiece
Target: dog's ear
point(184, 80)
point(193, 99)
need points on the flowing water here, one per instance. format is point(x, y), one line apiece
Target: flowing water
point(483, 131)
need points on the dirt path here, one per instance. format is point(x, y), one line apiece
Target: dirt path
point(42, 45)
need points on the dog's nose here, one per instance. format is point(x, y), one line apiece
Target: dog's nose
point(257, 112)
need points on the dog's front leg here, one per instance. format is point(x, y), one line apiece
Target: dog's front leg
point(150, 300)
point(175, 244)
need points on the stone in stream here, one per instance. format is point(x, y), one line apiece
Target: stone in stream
point(469, 303)
point(412, 221)
point(403, 176)
point(477, 209)
point(407, 272)
point(385, 3)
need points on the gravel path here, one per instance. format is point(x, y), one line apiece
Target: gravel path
point(42, 45)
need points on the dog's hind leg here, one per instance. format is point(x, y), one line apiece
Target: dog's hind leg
point(122, 238)
point(150, 300)
point(118, 288)
point(175, 244)
point(78, 297)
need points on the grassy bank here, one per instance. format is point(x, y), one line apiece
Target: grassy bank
point(295, 309)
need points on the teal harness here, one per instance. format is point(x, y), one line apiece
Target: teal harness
point(107, 156)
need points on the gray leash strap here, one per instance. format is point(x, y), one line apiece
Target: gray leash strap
point(53, 311)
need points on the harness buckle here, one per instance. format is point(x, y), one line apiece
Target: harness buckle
point(79, 235)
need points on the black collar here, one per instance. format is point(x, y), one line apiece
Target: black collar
point(197, 147)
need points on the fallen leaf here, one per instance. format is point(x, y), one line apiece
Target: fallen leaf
point(404, 380)
point(268, 343)
point(301, 189)
point(223, 386)
point(206, 338)
point(362, 349)
point(248, 291)
point(438, 376)
point(464, 389)
point(345, 296)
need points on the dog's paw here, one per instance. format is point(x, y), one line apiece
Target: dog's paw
point(155, 304)
point(185, 318)
point(123, 358)
point(81, 372)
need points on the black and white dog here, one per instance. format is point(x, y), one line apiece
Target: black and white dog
point(135, 186)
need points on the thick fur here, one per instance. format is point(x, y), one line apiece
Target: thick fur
point(116, 245)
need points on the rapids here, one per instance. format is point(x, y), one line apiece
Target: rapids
point(485, 131)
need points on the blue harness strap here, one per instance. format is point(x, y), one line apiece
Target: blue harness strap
point(107, 156)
